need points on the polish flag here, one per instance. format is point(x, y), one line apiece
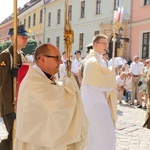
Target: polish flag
point(118, 17)
point(123, 13)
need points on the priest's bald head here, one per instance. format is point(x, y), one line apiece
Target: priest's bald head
point(48, 58)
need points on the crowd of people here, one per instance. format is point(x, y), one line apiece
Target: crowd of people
point(78, 113)
point(131, 76)
point(132, 83)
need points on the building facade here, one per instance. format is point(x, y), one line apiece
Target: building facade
point(4, 29)
point(44, 20)
point(32, 17)
point(140, 29)
point(87, 18)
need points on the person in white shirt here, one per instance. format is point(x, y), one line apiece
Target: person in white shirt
point(135, 70)
point(148, 76)
point(125, 68)
point(142, 84)
point(62, 67)
point(128, 87)
point(64, 57)
point(105, 60)
point(75, 66)
point(120, 86)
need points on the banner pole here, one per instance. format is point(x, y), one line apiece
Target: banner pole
point(14, 66)
point(113, 53)
point(15, 50)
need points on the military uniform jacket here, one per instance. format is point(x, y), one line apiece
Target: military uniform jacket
point(6, 81)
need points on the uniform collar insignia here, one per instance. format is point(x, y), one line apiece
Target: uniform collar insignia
point(3, 64)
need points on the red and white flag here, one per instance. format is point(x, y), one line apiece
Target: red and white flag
point(118, 17)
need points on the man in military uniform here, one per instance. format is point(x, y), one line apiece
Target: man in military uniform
point(7, 72)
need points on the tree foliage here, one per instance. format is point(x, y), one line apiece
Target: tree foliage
point(30, 47)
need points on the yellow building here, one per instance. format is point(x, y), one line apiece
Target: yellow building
point(32, 16)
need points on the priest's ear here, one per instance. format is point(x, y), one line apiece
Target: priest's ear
point(39, 60)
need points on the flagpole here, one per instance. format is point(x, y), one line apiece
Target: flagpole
point(14, 66)
point(113, 53)
point(116, 26)
point(115, 17)
point(15, 51)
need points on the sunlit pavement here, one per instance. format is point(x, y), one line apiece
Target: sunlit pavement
point(129, 131)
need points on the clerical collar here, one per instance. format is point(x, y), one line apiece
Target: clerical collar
point(48, 75)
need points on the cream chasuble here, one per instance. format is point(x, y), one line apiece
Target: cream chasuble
point(49, 117)
point(101, 77)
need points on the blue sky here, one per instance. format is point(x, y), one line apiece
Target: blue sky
point(6, 7)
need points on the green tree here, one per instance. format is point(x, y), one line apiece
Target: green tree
point(30, 47)
point(1, 47)
point(6, 44)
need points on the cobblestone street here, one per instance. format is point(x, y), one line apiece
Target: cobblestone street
point(129, 131)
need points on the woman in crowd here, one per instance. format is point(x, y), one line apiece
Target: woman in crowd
point(143, 89)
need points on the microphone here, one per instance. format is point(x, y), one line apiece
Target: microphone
point(107, 51)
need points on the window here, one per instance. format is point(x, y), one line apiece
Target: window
point(70, 13)
point(24, 22)
point(41, 13)
point(146, 2)
point(34, 19)
point(98, 6)
point(146, 45)
point(48, 40)
point(20, 22)
point(81, 41)
point(82, 9)
point(49, 19)
point(96, 32)
point(29, 22)
point(57, 41)
point(58, 16)
point(116, 4)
